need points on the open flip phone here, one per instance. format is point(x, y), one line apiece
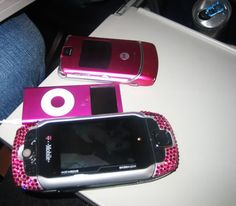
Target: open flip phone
point(93, 151)
point(111, 60)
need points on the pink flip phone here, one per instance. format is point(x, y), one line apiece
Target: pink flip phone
point(113, 60)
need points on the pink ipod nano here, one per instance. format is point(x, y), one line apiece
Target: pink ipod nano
point(112, 60)
point(70, 101)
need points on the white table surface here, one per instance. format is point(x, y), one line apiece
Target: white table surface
point(195, 91)
point(9, 7)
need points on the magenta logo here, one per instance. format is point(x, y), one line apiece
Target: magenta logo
point(124, 56)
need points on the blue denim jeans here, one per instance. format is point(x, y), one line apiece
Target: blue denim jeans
point(22, 55)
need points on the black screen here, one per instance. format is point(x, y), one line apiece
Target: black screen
point(95, 54)
point(103, 100)
point(93, 146)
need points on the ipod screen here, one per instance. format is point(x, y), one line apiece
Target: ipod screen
point(103, 100)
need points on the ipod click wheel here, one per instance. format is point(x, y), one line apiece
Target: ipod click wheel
point(70, 101)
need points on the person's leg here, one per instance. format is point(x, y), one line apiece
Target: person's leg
point(22, 54)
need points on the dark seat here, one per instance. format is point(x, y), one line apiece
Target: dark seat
point(58, 18)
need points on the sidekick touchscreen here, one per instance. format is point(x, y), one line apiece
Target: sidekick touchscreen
point(93, 151)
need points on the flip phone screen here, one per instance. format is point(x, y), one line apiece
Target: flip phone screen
point(91, 55)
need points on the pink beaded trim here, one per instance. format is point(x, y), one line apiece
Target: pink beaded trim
point(18, 172)
point(171, 160)
point(169, 164)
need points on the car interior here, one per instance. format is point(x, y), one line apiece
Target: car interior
point(58, 18)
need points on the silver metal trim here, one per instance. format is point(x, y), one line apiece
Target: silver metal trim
point(100, 116)
point(140, 66)
point(89, 180)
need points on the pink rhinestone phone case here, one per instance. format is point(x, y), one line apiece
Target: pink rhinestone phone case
point(169, 164)
point(18, 172)
point(171, 160)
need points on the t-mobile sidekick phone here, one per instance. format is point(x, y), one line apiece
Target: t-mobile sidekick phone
point(94, 151)
point(113, 60)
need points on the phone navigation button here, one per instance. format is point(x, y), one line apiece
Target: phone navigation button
point(124, 56)
point(26, 153)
